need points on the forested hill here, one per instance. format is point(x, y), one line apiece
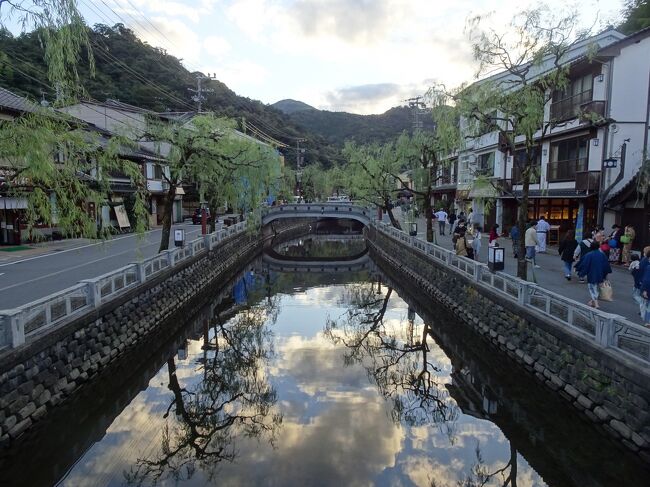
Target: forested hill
point(133, 72)
point(337, 127)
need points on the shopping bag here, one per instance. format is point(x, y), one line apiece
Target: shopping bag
point(605, 291)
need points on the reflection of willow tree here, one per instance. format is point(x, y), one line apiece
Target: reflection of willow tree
point(324, 248)
point(232, 399)
point(399, 363)
point(482, 476)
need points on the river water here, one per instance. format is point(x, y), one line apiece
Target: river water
point(321, 377)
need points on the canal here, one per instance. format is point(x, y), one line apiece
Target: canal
point(324, 374)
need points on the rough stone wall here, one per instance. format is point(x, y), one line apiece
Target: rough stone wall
point(40, 376)
point(611, 392)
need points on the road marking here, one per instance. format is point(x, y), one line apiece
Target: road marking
point(76, 267)
point(106, 242)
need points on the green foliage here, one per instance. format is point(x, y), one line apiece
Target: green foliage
point(636, 16)
point(60, 167)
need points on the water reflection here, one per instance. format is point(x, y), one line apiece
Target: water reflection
point(322, 247)
point(232, 397)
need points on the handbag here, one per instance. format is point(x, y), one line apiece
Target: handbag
point(605, 291)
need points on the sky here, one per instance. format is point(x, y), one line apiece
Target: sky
point(360, 56)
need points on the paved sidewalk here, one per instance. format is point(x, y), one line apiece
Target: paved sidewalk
point(551, 274)
point(40, 248)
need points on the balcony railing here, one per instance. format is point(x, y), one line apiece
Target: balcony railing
point(565, 170)
point(517, 176)
point(588, 181)
point(569, 107)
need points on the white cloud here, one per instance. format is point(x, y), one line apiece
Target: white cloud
point(183, 42)
point(240, 74)
point(217, 47)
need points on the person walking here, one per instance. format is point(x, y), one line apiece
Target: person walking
point(441, 214)
point(470, 219)
point(476, 242)
point(514, 235)
point(542, 230)
point(595, 268)
point(531, 242)
point(567, 248)
point(579, 253)
point(494, 236)
point(637, 268)
point(452, 220)
point(614, 241)
point(645, 289)
point(628, 240)
point(461, 244)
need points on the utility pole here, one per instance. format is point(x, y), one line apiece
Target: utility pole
point(417, 107)
point(198, 97)
point(300, 160)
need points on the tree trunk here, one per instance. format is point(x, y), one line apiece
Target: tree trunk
point(393, 220)
point(168, 203)
point(522, 217)
point(427, 214)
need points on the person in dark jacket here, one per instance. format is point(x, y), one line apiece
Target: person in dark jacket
point(644, 267)
point(595, 267)
point(567, 248)
point(514, 235)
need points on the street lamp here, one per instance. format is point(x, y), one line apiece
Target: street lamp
point(413, 229)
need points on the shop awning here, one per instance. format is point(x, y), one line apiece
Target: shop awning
point(12, 203)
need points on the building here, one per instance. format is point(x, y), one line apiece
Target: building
point(600, 119)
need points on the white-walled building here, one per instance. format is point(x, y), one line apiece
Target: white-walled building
point(613, 86)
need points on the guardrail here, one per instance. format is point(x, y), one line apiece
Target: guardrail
point(17, 325)
point(605, 329)
point(344, 209)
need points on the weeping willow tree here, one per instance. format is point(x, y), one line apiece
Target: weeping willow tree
point(529, 56)
point(228, 166)
point(62, 169)
point(63, 34)
point(370, 175)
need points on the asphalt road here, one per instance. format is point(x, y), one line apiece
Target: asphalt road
point(34, 277)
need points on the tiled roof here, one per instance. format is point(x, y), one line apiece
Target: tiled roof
point(15, 103)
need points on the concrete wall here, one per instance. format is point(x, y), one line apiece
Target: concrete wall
point(612, 393)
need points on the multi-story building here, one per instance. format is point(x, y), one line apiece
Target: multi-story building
point(600, 119)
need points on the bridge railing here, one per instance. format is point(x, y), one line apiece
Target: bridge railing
point(340, 209)
point(606, 329)
point(23, 322)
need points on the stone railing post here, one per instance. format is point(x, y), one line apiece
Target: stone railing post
point(208, 238)
point(139, 266)
point(170, 256)
point(605, 331)
point(523, 292)
point(448, 257)
point(14, 326)
point(478, 272)
point(94, 293)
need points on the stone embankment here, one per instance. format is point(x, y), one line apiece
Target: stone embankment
point(614, 393)
point(41, 374)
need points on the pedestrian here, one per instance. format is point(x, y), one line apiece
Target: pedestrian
point(637, 268)
point(581, 250)
point(542, 230)
point(514, 235)
point(645, 289)
point(452, 220)
point(595, 269)
point(476, 242)
point(494, 236)
point(461, 246)
point(614, 241)
point(442, 220)
point(470, 219)
point(460, 230)
point(531, 242)
point(627, 239)
point(567, 248)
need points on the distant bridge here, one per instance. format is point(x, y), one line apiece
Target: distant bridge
point(280, 263)
point(318, 210)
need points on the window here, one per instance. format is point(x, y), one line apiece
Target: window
point(519, 163)
point(157, 171)
point(568, 157)
point(566, 102)
point(485, 165)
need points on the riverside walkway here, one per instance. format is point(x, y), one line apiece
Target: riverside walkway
point(550, 275)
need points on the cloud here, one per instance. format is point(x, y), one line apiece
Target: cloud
point(371, 98)
point(183, 42)
point(239, 74)
point(216, 46)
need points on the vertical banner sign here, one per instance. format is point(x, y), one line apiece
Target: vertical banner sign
point(580, 221)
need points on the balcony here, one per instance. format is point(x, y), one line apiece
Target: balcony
point(565, 170)
point(588, 181)
point(593, 111)
point(570, 107)
point(535, 172)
